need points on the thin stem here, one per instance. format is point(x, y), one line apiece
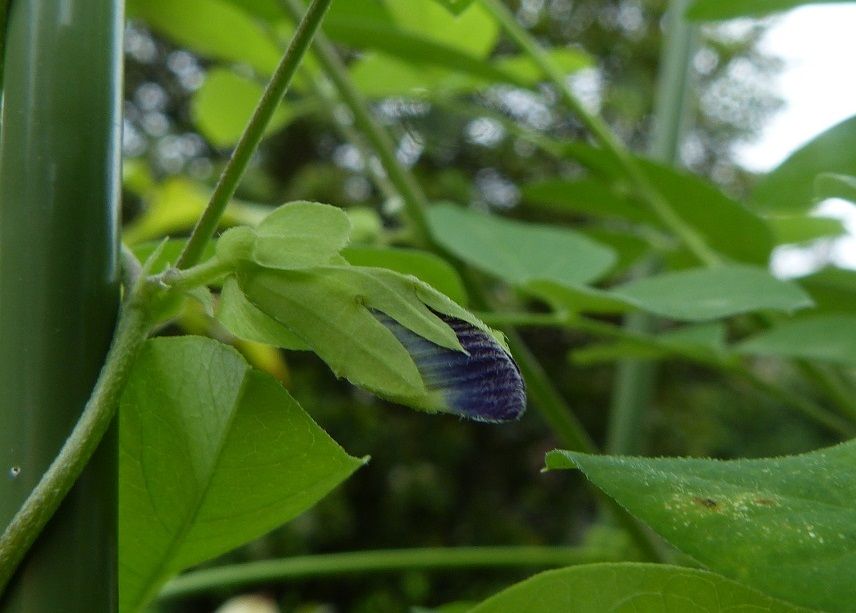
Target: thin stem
point(601, 132)
point(196, 276)
point(415, 202)
point(253, 133)
point(84, 439)
point(253, 573)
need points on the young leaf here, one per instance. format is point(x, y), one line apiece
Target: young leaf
point(300, 234)
point(243, 320)
point(710, 293)
point(295, 235)
point(393, 335)
point(631, 587)
point(786, 526)
point(790, 186)
point(519, 252)
point(825, 337)
point(212, 454)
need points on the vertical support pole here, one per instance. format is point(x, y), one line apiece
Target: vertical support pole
point(60, 133)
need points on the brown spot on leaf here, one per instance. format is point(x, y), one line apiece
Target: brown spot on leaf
point(707, 503)
point(766, 502)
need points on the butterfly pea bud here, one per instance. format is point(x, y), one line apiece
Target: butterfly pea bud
point(483, 384)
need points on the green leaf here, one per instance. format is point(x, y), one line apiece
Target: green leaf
point(786, 526)
point(519, 252)
point(331, 309)
point(710, 293)
point(456, 7)
point(632, 588)
point(590, 197)
point(420, 51)
point(522, 67)
point(832, 289)
point(301, 234)
point(213, 454)
point(243, 320)
point(713, 10)
point(474, 31)
point(831, 185)
point(212, 28)
point(224, 104)
point(425, 266)
point(726, 225)
point(804, 228)
point(381, 75)
point(823, 337)
point(790, 186)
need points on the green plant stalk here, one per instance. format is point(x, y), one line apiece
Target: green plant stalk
point(415, 202)
point(308, 25)
point(604, 136)
point(254, 573)
point(635, 380)
point(59, 286)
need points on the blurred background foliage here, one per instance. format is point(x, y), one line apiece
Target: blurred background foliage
point(436, 480)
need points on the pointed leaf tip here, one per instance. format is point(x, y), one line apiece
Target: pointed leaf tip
point(483, 383)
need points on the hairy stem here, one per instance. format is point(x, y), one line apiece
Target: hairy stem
point(252, 135)
point(252, 573)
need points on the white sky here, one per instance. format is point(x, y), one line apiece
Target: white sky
point(818, 84)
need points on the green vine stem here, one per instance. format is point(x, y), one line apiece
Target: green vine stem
point(604, 136)
point(307, 27)
point(254, 573)
point(31, 518)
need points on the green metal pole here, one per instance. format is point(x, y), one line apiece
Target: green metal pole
point(59, 194)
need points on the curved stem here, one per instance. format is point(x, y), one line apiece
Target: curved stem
point(249, 142)
point(44, 500)
point(601, 132)
point(251, 573)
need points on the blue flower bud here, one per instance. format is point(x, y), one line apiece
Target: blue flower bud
point(483, 384)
